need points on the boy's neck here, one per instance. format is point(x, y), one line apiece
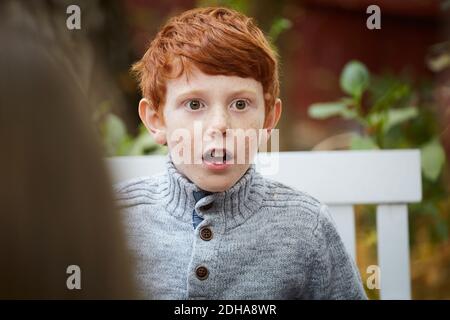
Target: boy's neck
point(227, 209)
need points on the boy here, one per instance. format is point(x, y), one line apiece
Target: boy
point(211, 227)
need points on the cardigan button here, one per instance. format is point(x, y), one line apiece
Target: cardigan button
point(206, 234)
point(201, 273)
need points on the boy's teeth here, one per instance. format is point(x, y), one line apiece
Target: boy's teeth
point(218, 153)
point(216, 156)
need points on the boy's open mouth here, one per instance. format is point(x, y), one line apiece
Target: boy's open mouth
point(217, 155)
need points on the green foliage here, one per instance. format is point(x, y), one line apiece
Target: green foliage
point(433, 159)
point(279, 25)
point(362, 143)
point(390, 108)
point(114, 134)
point(145, 144)
point(238, 5)
point(392, 115)
point(118, 142)
point(354, 79)
point(330, 109)
point(116, 139)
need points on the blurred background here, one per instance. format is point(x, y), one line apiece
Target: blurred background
point(343, 86)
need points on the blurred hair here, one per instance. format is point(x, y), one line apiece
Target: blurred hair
point(218, 41)
point(56, 203)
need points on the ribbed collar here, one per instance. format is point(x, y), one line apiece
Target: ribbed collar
point(229, 208)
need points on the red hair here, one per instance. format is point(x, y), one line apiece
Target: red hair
point(218, 41)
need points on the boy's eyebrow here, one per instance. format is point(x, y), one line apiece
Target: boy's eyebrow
point(243, 92)
point(190, 93)
point(201, 93)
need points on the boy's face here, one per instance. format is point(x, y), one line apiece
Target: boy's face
point(201, 118)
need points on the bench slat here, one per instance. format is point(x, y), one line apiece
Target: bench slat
point(352, 177)
point(393, 251)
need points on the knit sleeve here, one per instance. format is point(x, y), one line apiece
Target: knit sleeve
point(334, 274)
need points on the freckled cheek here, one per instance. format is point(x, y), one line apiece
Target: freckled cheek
point(184, 137)
point(254, 119)
point(246, 145)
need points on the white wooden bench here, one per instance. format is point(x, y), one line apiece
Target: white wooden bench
point(388, 178)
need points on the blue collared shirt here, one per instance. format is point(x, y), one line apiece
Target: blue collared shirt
point(196, 219)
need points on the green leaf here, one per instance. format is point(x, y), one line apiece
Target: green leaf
point(398, 116)
point(325, 110)
point(278, 26)
point(355, 78)
point(433, 159)
point(114, 133)
point(124, 146)
point(358, 142)
point(390, 96)
point(374, 119)
point(330, 109)
point(143, 144)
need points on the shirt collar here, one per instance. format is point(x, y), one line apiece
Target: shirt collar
point(220, 210)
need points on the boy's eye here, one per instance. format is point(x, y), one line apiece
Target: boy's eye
point(194, 104)
point(240, 104)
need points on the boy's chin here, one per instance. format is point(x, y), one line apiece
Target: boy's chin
point(218, 180)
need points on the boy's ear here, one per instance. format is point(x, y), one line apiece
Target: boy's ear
point(273, 116)
point(152, 120)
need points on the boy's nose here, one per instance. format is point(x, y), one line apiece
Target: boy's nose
point(217, 124)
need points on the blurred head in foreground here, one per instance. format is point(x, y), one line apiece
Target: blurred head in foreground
point(56, 206)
